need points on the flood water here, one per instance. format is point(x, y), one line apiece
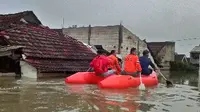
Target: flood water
point(52, 95)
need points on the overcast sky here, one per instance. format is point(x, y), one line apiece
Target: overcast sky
point(154, 20)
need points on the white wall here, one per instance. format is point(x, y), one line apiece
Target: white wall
point(28, 70)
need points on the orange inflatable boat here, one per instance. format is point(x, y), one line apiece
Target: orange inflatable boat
point(126, 81)
point(84, 78)
point(113, 81)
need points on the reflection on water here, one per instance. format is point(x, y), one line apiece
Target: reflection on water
point(53, 95)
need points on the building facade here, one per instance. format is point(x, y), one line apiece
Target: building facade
point(181, 58)
point(163, 53)
point(194, 55)
point(115, 37)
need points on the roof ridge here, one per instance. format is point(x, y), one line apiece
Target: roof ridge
point(14, 17)
point(23, 12)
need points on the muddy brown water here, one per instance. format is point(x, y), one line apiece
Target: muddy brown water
point(53, 95)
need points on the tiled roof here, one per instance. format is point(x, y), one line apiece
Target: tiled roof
point(52, 51)
point(7, 20)
point(196, 49)
point(155, 47)
point(59, 31)
point(16, 17)
point(48, 65)
point(6, 48)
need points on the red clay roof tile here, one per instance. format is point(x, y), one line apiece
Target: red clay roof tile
point(53, 52)
point(47, 65)
point(16, 18)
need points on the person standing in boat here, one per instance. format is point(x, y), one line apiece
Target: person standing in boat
point(131, 64)
point(114, 63)
point(145, 62)
point(100, 64)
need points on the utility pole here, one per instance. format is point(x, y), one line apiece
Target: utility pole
point(199, 75)
point(120, 37)
point(63, 23)
point(138, 47)
point(89, 34)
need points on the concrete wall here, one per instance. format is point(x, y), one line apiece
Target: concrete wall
point(108, 37)
point(167, 54)
point(80, 34)
point(28, 70)
point(131, 40)
point(105, 36)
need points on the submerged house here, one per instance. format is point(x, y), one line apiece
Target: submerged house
point(181, 58)
point(194, 55)
point(30, 49)
point(162, 52)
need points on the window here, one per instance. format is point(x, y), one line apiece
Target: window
point(129, 37)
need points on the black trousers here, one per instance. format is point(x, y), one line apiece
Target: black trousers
point(147, 72)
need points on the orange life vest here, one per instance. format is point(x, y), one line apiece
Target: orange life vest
point(114, 64)
point(132, 64)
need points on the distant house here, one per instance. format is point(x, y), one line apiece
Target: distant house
point(194, 55)
point(37, 51)
point(188, 59)
point(162, 52)
point(116, 37)
point(181, 58)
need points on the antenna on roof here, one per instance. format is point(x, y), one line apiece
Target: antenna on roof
point(121, 22)
point(63, 23)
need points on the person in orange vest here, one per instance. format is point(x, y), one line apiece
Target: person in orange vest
point(100, 64)
point(131, 64)
point(114, 63)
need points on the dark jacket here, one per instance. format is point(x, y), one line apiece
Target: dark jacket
point(145, 62)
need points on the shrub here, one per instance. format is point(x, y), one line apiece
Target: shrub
point(180, 66)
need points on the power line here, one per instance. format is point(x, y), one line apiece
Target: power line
point(178, 40)
point(187, 45)
point(185, 39)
